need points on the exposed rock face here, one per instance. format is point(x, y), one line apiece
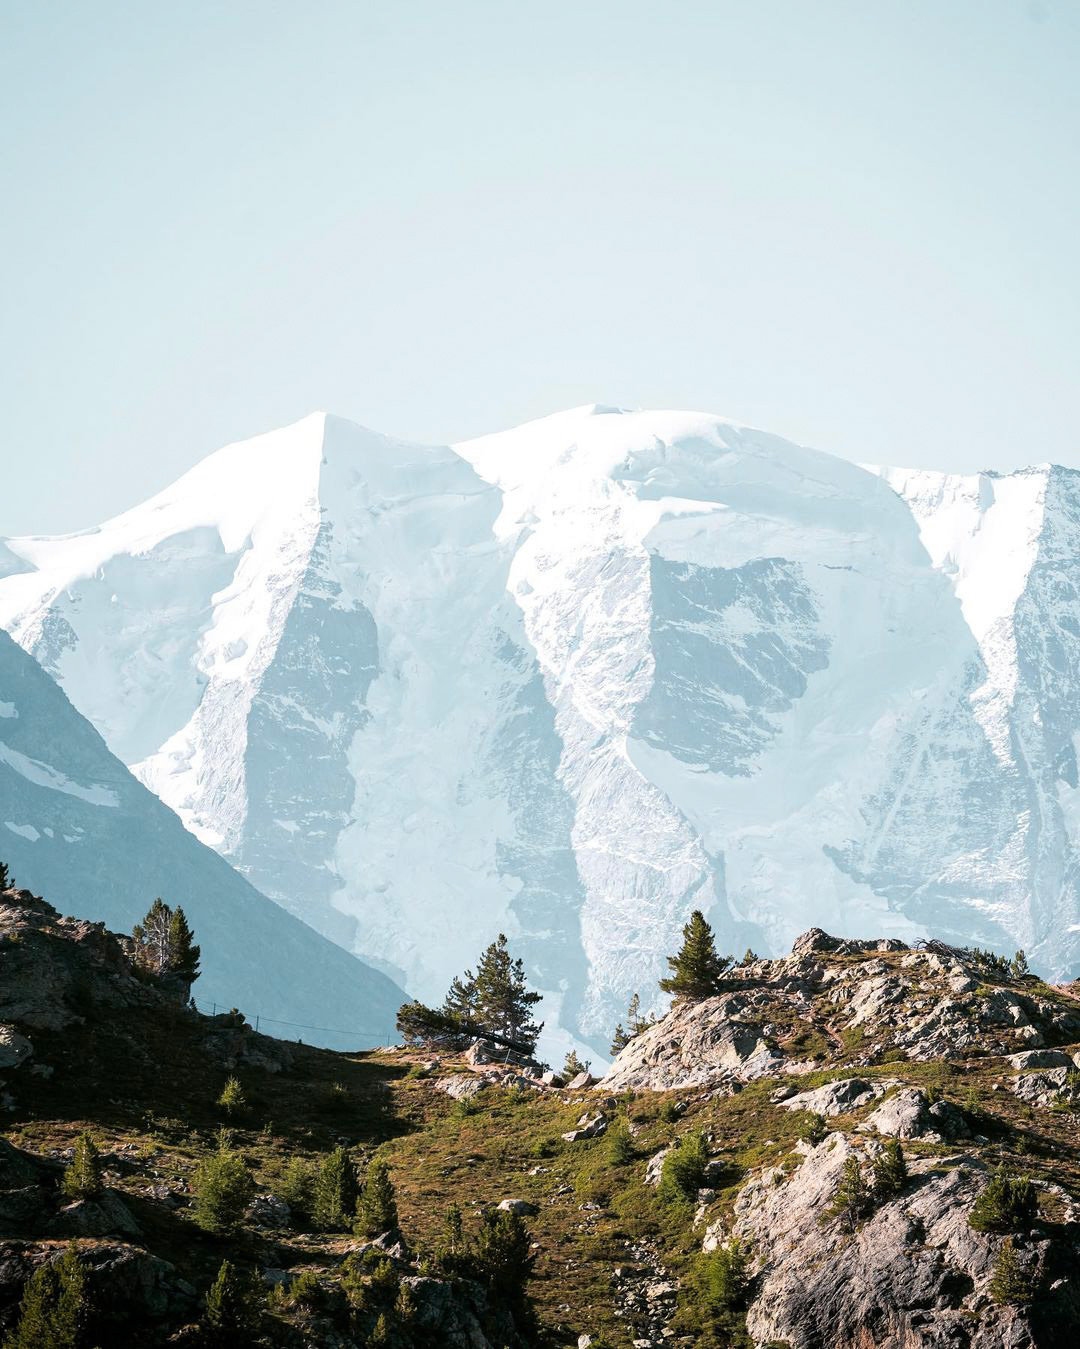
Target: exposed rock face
point(456, 1315)
point(852, 995)
point(913, 1274)
point(698, 1044)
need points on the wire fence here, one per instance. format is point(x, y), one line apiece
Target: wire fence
point(373, 1040)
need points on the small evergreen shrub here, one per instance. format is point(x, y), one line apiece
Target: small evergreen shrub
point(376, 1211)
point(851, 1200)
point(683, 1172)
point(53, 1309)
point(501, 1257)
point(618, 1144)
point(1011, 1284)
point(889, 1173)
point(334, 1193)
point(296, 1185)
point(1006, 1204)
point(573, 1065)
point(813, 1128)
point(233, 1308)
point(720, 1284)
point(306, 1291)
point(82, 1179)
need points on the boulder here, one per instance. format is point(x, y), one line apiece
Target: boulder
point(1030, 1059)
point(837, 1098)
point(478, 1053)
point(14, 1048)
point(589, 1126)
point(524, 1208)
point(655, 1166)
point(267, 1210)
point(462, 1085)
point(107, 1216)
point(580, 1082)
point(909, 1114)
point(1046, 1087)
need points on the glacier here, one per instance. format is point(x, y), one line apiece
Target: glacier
point(572, 680)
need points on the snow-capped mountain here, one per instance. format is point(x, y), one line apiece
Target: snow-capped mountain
point(576, 679)
point(76, 827)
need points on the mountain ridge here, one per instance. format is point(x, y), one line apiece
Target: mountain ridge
point(574, 679)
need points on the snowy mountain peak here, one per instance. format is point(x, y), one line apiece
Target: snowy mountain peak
point(573, 679)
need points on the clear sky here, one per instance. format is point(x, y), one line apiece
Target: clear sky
point(853, 222)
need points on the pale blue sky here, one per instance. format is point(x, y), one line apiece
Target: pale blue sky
point(853, 222)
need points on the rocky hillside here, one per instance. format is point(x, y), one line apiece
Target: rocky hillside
point(733, 1181)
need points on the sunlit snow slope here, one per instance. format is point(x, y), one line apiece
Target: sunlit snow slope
point(575, 679)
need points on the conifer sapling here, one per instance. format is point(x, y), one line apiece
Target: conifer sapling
point(82, 1179)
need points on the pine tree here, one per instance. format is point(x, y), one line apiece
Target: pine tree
point(1011, 1284)
point(333, 1200)
point(635, 1024)
point(7, 880)
point(232, 1308)
point(697, 970)
point(722, 1280)
point(572, 1065)
point(53, 1306)
point(890, 1173)
point(164, 944)
point(502, 1256)
point(1019, 965)
point(813, 1128)
point(450, 1251)
point(297, 1187)
point(503, 1000)
point(183, 953)
point(461, 997)
point(683, 1171)
point(223, 1189)
point(376, 1211)
point(82, 1179)
point(850, 1202)
point(151, 938)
